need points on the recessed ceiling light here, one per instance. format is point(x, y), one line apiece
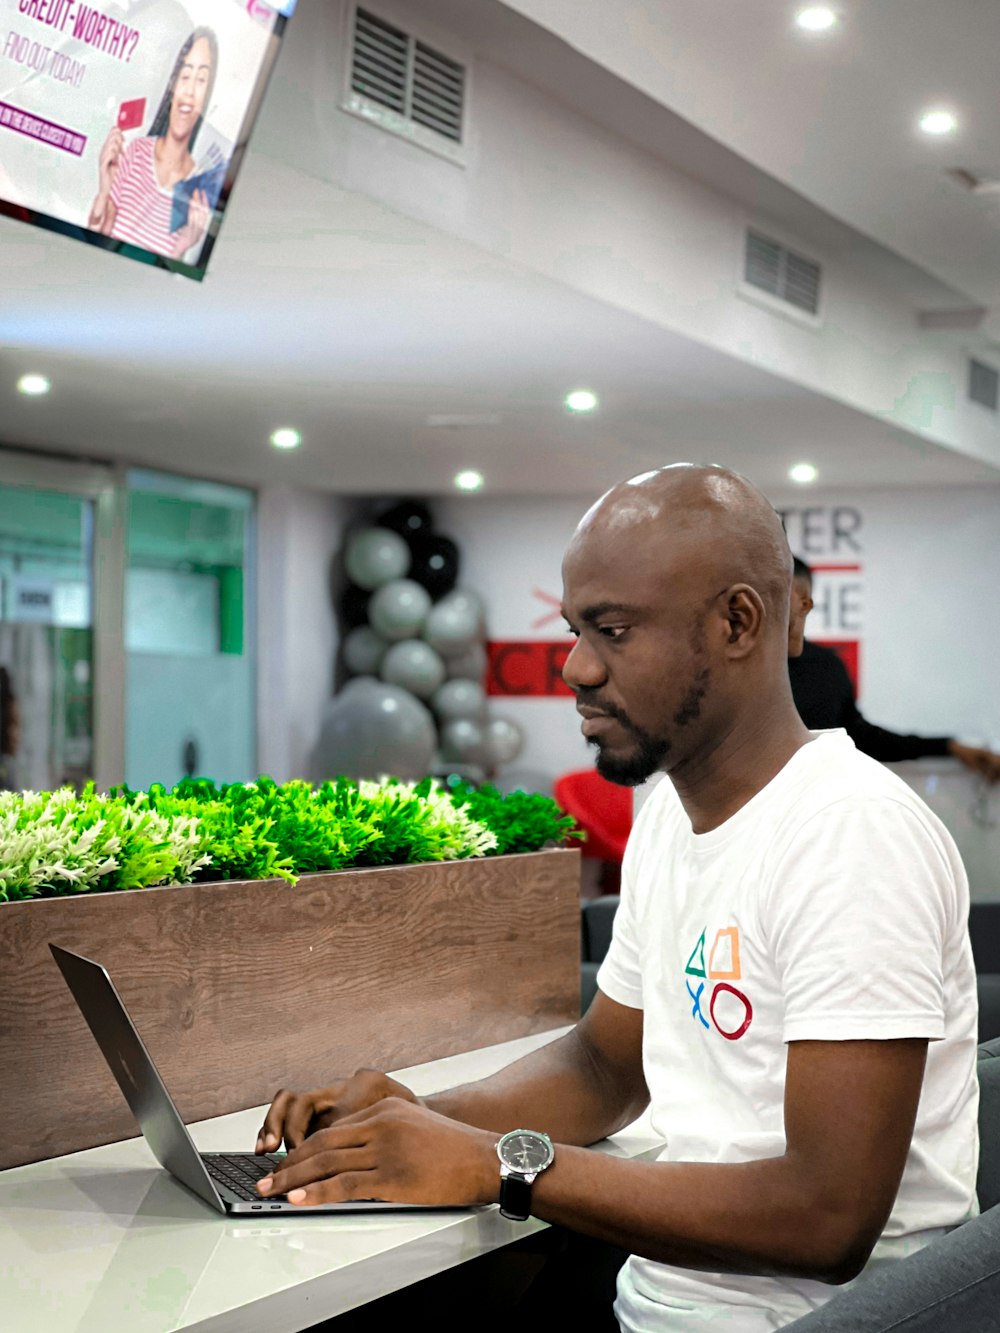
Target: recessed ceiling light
point(33, 385)
point(803, 473)
point(939, 121)
point(816, 18)
point(469, 480)
point(581, 400)
point(286, 438)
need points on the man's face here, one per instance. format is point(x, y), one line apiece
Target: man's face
point(639, 668)
point(802, 604)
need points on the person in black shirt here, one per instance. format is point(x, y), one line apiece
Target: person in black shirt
point(824, 696)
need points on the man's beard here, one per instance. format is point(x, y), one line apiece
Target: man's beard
point(651, 751)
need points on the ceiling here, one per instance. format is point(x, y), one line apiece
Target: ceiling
point(363, 324)
point(830, 117)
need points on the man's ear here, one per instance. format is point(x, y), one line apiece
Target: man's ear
point(745, 616)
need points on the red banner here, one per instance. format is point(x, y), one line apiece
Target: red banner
point(530, 669)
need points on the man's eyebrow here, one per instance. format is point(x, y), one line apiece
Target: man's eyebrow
point(591, 614)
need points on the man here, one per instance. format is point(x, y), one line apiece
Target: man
point(824, 696)
point(790, 986)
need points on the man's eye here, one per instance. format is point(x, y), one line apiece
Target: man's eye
point(612, 632)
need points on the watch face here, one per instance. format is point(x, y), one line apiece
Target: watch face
point(525, 1151)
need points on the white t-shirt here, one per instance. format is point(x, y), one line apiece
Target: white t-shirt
point(833, 906)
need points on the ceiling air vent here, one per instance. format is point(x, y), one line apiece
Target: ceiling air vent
point(984, 383)
point(422, 87)
point(782, 273)
point(437, 93)
point(381, 61)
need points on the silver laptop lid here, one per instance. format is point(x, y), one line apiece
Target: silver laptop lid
point(137, 1075)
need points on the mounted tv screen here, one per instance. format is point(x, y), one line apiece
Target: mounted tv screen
point(123, 124)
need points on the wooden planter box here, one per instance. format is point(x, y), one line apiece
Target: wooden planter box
point(240, 988)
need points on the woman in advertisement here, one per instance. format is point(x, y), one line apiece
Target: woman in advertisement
point(137, 199)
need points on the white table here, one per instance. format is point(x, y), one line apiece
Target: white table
point(104, 1241)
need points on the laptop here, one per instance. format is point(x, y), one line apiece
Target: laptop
point(226, 1181)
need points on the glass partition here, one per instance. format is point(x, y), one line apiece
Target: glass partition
point(46, 638)
point(189, 702)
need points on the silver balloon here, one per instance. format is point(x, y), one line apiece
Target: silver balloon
point(468, 665)
point(363, 651)
point(503, 741)
point(373, 730)
point(358, 685)
point(413, 665)
point(398, 610)
point(459, 698)
point(469, 601)
point(462, 742)
point(375, 556)
point(452, 625)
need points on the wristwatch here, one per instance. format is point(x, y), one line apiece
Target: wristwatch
point(523, 1153)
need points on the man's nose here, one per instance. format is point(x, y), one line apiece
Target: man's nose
point(583, 669)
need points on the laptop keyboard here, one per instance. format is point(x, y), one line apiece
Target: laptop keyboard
point(240, 1172)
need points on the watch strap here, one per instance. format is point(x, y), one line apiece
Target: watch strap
point(515, 1197)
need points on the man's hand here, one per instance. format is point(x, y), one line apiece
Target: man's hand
point(293, 1116)
point(984, 762)
point(395, 1150)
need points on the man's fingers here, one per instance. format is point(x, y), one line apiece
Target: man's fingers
point(273, 1127)
point(350, 1185)
point(317, 1167)
point(298, 1119)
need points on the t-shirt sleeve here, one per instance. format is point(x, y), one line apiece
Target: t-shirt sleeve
point(619, 976)
point(857, 911)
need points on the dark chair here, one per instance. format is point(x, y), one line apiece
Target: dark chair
point(984, 933)
point(597, 919)
point(953, 1284)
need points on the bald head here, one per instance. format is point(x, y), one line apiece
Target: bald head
point(677, 584)
point(704, 525)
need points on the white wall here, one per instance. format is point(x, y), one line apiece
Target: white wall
point(510, 551)
point(298, 536)
point(566, 197)
point(930, 643)
point(929, 640)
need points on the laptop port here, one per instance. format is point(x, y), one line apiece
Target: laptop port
point(256, 1207)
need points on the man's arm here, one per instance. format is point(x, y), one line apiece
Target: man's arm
point(824, 697)
point(578, 1089)
point(814, 1211)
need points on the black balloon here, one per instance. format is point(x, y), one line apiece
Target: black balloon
point(354, 606)
point(410, 518)
point(435, 563)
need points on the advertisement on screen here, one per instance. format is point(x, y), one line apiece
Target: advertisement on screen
point(123, 124)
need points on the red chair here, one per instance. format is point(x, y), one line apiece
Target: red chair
point(604, 810)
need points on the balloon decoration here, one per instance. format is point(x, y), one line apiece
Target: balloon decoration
point(354, 606)
point(410, 518)
point(434, 563)
point(398, 609)
point(415, 656)
point(374, 730)
point(414, 666)
point(363, 651)
point(375, 556)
